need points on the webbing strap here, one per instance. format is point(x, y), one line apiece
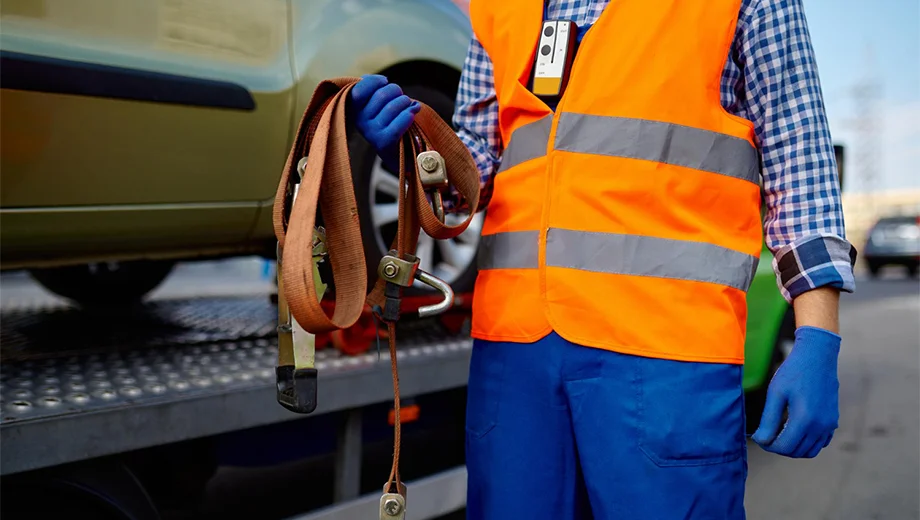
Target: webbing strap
point(327, 185)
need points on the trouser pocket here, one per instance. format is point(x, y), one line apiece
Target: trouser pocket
point(690, 414)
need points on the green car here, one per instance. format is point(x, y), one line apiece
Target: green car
point(139, 134)
point(770, 336)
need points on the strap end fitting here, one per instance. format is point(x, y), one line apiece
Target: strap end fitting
point(296, 388)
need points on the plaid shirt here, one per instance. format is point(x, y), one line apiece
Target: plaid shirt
point(770, 79)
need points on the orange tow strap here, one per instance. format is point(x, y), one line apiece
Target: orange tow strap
point(327, 184)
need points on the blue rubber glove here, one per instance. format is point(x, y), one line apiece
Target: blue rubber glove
point(807, 384)
point(382, 114)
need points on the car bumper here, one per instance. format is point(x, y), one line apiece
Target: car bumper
point(893, 258)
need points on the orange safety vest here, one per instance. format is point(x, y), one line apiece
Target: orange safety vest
point(629, 219)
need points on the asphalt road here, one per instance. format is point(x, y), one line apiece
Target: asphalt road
point(871, 470)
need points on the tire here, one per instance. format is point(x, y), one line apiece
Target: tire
point(874, 269)
point(458, 271)
point(104, 284)
point(913, 270)
point(756, 400)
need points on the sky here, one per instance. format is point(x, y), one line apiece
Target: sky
point(859, 41)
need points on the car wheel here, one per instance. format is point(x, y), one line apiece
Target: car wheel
point(376, 190)
point(874, 269)
point(104, 284)
point(913, 270)
point(755, 400)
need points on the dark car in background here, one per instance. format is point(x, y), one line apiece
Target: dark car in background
point(894, 240)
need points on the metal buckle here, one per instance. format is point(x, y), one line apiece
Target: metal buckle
point(319, 242)
point(432, 170)
point(396, 270)
point(296, 385)
point(393, 505)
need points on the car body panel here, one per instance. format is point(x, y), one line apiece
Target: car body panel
point(213, 168)
point(182, 179)
point(158, 153)
point(156, 231)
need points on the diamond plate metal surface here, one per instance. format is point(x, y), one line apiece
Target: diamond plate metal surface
point(54, 387)
point(37, 333)
point(184, 350)
point(40, 389)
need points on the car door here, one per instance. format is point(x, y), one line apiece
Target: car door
point(140, 124)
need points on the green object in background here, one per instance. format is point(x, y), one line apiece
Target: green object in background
point(766, 310)
point(769, 339)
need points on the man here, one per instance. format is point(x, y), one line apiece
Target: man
point(624, 223)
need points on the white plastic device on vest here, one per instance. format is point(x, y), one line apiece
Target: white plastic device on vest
point(553, 61)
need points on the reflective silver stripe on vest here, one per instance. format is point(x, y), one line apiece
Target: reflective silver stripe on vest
point(527, 142)
point(510, 250)
point(661, 142)
point(649, 256)
point(615, 253)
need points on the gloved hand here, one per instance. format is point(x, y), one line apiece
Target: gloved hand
point(807, 384)
point(382, 114)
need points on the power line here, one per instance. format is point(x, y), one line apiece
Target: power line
point(868, 128)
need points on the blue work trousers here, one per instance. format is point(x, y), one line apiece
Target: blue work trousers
point(560, 431)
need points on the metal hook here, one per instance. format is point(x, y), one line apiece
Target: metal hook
point(442, 286)
point(403, 271)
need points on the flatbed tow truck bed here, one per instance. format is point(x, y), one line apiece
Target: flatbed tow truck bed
point(76, 385)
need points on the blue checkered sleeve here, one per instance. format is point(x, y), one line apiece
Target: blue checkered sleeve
point(781, 94)
point(476, 116)
point(770, 79)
